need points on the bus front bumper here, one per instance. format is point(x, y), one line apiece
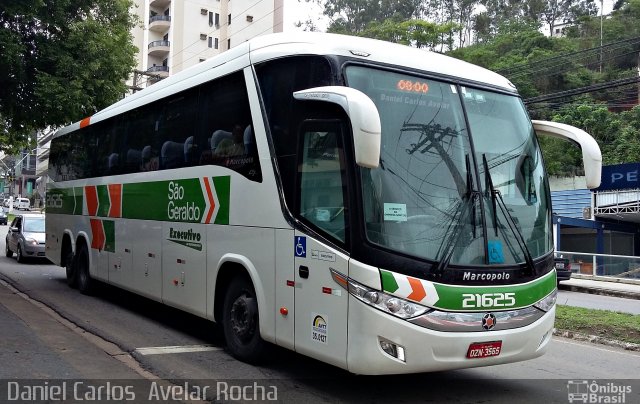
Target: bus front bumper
point(426, 350)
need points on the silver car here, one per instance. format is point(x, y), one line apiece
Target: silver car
point(3, 216)
point(26, 237)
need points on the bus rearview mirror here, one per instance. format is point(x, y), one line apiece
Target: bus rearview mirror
point(363, 114)
point(591, 155)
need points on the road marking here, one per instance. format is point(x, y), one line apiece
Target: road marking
point(160, 350)
point(590, 345)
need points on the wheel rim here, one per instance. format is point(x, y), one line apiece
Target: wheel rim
point(243, 317)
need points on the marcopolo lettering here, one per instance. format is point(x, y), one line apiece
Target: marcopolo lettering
point(485, 276)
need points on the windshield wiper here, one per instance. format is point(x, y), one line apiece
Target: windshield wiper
point(496, 199)
point(463, 214)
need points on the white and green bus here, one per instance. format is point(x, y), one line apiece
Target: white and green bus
point(374, 206)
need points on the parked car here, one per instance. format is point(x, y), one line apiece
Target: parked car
point(563, 268)
point(3, 216)
point(22, 204)
point(26, 236)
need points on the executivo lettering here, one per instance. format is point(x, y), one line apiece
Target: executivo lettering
point(187, 238)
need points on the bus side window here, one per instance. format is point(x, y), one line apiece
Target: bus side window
point(224, 110)
point(321, 200)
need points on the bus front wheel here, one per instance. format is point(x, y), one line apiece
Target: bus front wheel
point(240, 322)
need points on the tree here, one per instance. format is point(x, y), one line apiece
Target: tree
point(353, 16)
point(60, 60)
point(417, 33)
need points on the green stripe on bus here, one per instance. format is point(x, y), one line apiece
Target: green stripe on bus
point(503, 297)
point(66, 201)
point(103, 200)
point(183, 200)
point(109, 235)
point(389, 283)
point(222, 187)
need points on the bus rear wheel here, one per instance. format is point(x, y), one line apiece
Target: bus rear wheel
point(240, 322)
point(70, 269)
point(86, 284)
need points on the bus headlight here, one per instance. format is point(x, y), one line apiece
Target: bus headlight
point(546, 303)
point(382, 301)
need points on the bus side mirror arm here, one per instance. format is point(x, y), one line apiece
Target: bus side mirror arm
point(591, 155)
point(363, 116)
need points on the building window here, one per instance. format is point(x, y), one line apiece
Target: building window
point(217, 20)
point(210, 42)
point(211, 18)
point(215, 45)
point(249, 18)
point(229, 19)
point(203, 37)
point(229, 43)
point(202, 60)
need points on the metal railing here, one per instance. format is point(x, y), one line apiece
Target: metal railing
point(158, 43)
point(160, 18)
point(153, 69)
point(615, 266)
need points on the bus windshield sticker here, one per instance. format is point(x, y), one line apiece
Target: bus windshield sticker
point(395, 212)
point(496, 256)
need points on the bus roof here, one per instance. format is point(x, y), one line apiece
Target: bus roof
point(309, 43)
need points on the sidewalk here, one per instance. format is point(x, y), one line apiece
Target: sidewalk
point(627, 288)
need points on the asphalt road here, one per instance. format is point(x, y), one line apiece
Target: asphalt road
point(591, 301)
point(55, 338)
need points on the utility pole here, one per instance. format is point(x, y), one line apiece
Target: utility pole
point(601, 13)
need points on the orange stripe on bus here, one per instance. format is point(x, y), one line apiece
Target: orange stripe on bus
point(115, 197)
point(85, 122)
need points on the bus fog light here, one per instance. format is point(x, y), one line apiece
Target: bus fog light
point(392, 349)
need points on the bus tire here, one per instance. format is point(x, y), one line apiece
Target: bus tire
point(70, 269)
point(86, 284)
point(240, 322)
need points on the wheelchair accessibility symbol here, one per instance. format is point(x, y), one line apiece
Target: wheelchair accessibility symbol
point(300, 246)
point(496, 256)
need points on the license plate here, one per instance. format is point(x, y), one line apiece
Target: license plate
point(484, 349)
point(560, 265)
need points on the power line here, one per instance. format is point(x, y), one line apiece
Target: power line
point(582, 90)
point(217, 28)
point(520, 66)
point(231, 36)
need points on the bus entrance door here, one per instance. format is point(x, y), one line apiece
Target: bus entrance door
point(320, 303)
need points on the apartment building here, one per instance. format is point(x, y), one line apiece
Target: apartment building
point(176, 34)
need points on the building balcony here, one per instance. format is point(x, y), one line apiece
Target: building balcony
point(159, 23)
point(157, 48)
point(160, 71)
point(162, 4)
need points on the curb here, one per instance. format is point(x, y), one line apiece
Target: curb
point(594, 339)
point(600, 291)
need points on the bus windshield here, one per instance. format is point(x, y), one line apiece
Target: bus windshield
point(431, 196)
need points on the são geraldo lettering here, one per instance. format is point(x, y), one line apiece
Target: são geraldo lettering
point(177, 208)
